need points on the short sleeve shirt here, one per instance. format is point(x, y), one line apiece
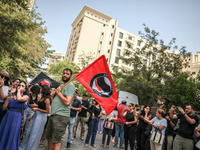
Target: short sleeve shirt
point(186, 129)
point(76, 104)
point(158, 123)
point(121, 119)
point(5, 91)
point(57, 106)
point(112, 114)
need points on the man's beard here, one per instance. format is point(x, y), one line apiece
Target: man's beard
point(65, 80)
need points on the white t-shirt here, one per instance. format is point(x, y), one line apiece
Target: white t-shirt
point(5, 89)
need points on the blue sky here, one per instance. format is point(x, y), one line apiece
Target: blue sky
point(171, 18)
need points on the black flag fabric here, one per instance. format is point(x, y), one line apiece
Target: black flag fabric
point(44, 79)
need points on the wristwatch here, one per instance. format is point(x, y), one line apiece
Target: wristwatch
point(73, 107)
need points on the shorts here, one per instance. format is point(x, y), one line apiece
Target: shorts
point(56, 127)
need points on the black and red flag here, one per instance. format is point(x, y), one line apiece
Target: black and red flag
point(44, 79)
point(97, 80)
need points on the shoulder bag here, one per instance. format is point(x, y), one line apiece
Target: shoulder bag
point(157, 137)
point(108, 124)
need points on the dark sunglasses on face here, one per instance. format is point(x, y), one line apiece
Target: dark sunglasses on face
point(4, 77)
point(129, 106)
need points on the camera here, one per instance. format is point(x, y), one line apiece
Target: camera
point(176, 108)
point(167, 101)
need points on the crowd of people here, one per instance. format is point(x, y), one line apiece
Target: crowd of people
point(30, 113)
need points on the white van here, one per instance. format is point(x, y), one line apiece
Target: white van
point(129, 97)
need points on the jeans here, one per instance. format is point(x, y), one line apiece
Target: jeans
point(119, 128)
point(92, 130)
point(70, 124)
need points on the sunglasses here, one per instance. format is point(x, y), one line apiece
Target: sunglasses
point(4, 77)
point(129, 106)
point(53, 89)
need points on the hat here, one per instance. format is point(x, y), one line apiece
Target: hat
point(85, 95)
point(5, 73)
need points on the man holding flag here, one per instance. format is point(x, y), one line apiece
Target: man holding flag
point(60, 111)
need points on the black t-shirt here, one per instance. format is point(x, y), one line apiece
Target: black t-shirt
point(42, 105)
point(95, 110)
point(142, 125)
point(83, 112)
point(170, 130)
point(76, 104)
point(186, 129)
point(33, 101)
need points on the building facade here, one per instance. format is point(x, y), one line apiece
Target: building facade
point(57, 57)
point(93, 31)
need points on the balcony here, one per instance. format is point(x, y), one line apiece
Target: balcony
point(130, 41)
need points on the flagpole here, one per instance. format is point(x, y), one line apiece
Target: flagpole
point(68, 82)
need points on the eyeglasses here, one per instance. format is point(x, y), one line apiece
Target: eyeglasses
point(129, 106)
point(53, 89)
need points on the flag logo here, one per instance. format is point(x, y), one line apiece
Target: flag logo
point(45, 81)
point(101, 85)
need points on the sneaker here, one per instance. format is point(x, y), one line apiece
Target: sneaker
point(68, 146)
point(122, 147)
point(114, 145)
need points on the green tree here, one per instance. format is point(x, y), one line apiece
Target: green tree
point(23, 48)
point(85, 59)
point(153, 65)
point(183, 90)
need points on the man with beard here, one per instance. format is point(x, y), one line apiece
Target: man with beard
point(60, 111)
point(82, 116)
point(188, 122)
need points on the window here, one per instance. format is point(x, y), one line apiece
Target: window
point(108, 51)
point(125, 62)
point(100, 42)
point(188, 66)
point(128, 45)
point(110, 43)
point(111, 34)
point(144, 61)
point(99, 51)
point(147, 46)
point(189, 59)
point(129, 37)
point(193, 72)
point(104, 25)
point(118, 52)
point(120, 35)
point(119, 43)
point(153, 57)
point(113, 26)
point(138, 43)
point(102, 33)
point(127, 54)
point(116, 60)
point(155, 49)
point(107, 59)
point(115, 69)
point(137, 50)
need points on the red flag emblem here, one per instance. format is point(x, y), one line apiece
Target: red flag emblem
point(97, 80)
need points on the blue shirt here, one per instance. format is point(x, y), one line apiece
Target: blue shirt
point(158, 123)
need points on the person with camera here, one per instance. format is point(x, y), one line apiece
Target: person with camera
point(171, 123)
point(143, 129)
point(188, 121)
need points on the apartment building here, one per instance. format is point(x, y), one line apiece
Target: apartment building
point(57, 57)
point(194, 64)
point(99, 33)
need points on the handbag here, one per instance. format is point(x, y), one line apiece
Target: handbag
point(157, 137)
point(22, 123)
point(108, 124)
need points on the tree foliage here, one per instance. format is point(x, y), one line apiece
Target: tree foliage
point(23, 48)
point(183, 90)
point(152, 65)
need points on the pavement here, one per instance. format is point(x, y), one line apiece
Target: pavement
point(79, 144)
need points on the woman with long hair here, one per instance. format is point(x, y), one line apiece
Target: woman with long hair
point(11, 122)
point(158, 123)
point(142, 138)
point(32, 138)
point(95, 111)
point(130, 126)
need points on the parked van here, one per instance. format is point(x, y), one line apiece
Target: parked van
point(129, 97)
